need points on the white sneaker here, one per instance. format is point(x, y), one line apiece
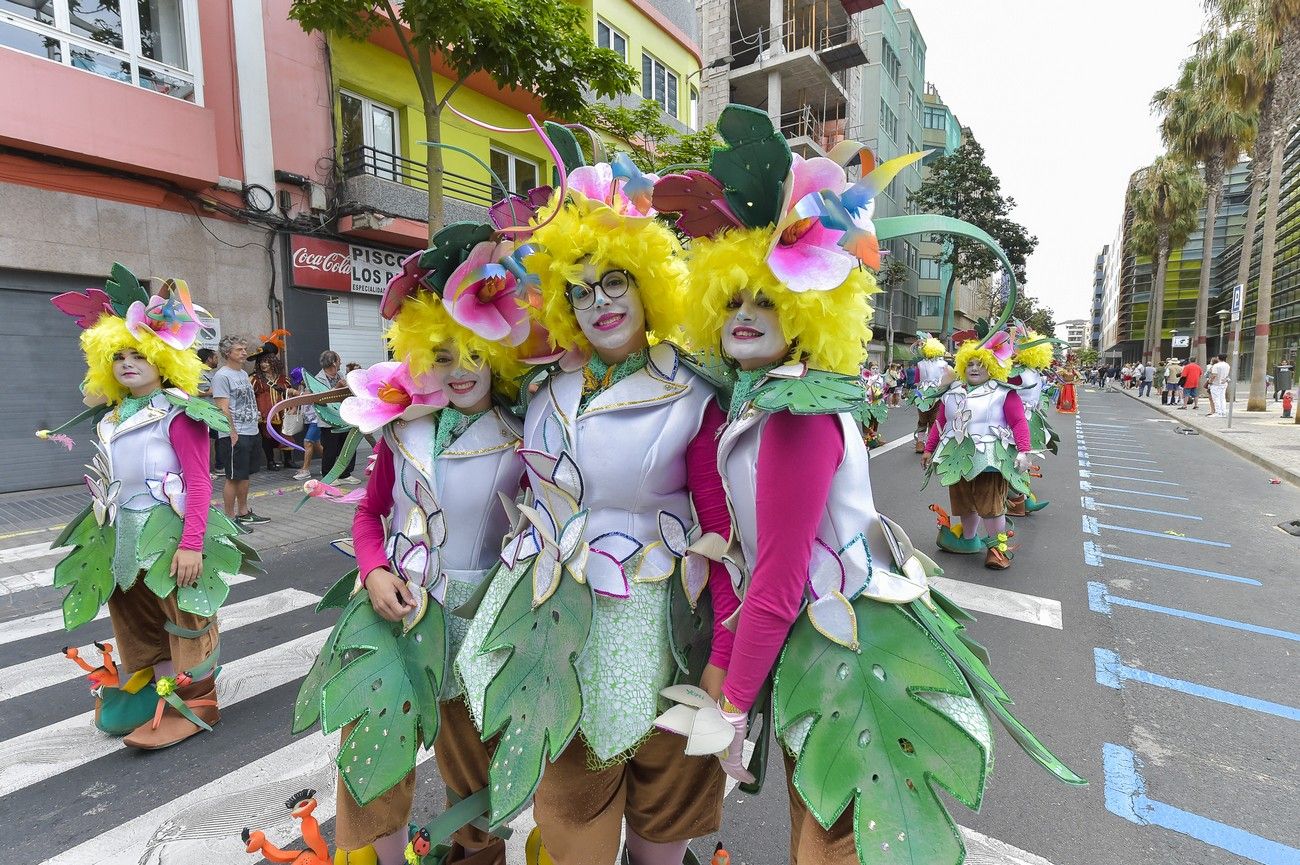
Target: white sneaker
point(348, 481)
point(302, 475)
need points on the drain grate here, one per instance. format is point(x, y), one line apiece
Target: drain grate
point(1291, 528)
point(1186, 431)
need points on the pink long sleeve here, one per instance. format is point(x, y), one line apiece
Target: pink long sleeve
point(710, 500)
point(797, 459)
point(368, 522)
point(189, 439)
point(1013, 411)
point(932, 437)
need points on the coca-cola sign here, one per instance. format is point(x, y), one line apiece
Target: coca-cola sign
point(319, 263)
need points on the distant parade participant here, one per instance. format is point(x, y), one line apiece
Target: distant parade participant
point(934, 373)
point(1066, 402)
point(149, 543)
point(1033, 358)
point(874, 410)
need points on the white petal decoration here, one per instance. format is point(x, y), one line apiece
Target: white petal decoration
point(511, 508)
point(616, 545)
point(539, 463)
point(417, 523)
point(657, 563)
point(675, 533)
point(695, 576)
point(689, 695)
point(825, 571)
point(710, 734)
point(436, 525)
point(398, 545)
point(554, 437)
point(411, 619)
point(678, 719)
point(541, 520)
point(891, 588)
point(414, 564)
point(425, 498)
point(101, 511)
point(567, 477)
point(578, 564)
point(855, 556)
point(438, 580)
point(736, 572)
point(605, 575)
point(834, 619)
point(571, 535)
point(790, 370)
point(914, 570)
point(546, 576)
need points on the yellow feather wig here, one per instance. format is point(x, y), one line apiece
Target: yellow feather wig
point(971, 350)
point(423, 324)
point(179, 368)
point(932, 348)
point(584, 230)
point(830, 328)
point(1038, 357)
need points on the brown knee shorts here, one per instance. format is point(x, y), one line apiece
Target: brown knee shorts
point(810, 844)
point(139, 628)
point(664, 795)
point(986, 495)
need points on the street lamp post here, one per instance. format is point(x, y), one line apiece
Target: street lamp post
point(1223, 320)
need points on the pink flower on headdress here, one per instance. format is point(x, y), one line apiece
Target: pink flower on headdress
point(386, 392)
point(1002, 346)
point(168, 318)
point(805, 254)
point(603, 184)
point(482, 294)
point(402, 285)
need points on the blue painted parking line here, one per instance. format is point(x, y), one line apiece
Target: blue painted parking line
point(1126, 797)
point(1093, 555)
point(1109, 425)
point(1086, 474)
point(1113, 673)
point(1128, 468)
point(1109, 456)
point(1100, 601)
point(1091, 504)
point(1088, 487)
point(1092, 527)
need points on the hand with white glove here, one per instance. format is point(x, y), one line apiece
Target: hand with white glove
point(707, 728)
point(1022, 462)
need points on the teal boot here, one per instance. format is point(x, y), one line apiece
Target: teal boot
point(950, 542)
point(1033, 505)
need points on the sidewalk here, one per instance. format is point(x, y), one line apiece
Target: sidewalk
point(1264, 438)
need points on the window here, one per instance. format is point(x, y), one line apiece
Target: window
point(145, 43)
point(909, 256)
point(930, 304)
point(659, 84)
point(889, 60)
point(929, 268)
point(695, 108)
point(518, 173)
point(608, 37)
point(371, 139)
point(888, 121)
point(936, 118)
point(911, 145)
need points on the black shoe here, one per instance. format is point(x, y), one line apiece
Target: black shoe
point(252, 519)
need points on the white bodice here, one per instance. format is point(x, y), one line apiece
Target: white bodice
point(1031, 388)
point(139, 450)
point(931, 371)
point(986, 406)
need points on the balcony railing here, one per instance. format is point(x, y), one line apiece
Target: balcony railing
point(389, 166)
point(836, 45)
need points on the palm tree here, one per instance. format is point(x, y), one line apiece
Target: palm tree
point(1202, 126)
point(1166, 199)
point(1267, 69)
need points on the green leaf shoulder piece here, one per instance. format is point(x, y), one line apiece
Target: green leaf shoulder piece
point(535, 700)
point(814, 392)
point(87, 570)
point(389, 686)
point(200, 410)
point(885, 726)
point(714, 370)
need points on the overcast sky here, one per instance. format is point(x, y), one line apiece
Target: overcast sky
point(1058, 92)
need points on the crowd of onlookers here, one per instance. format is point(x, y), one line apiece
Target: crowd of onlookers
point(1181, 383)
point(247, 396)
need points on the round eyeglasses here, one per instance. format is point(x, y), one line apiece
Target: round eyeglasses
point(613, 285)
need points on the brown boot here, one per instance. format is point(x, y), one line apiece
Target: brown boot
point(996, 559)
point(1016, 507)
point(169, 727)
point(493, 854)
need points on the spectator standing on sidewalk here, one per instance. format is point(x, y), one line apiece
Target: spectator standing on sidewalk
point(332, 440)
point(1191, 382)
point(1173, 374)
point(211, 360)
point(1219, 373)
point(233, 394)
point(1148, 376)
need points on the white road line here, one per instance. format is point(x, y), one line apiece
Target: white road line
point(896, 443)
point(204, 824)
point(52, 620)
point(1002, 602)
point(25, 581)
point(30, 551)
point(983, 850)
point(73, 742)
point(50, 670)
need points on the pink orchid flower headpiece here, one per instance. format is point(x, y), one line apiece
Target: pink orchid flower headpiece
point(483, 294)
point(1002, 346)
point(387, 392)
point(173, 319)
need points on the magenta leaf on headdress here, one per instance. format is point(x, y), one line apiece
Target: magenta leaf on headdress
point(85, 308)
point(698, 199)
point(402, 285)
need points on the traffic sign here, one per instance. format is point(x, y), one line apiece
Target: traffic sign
point(1238, 298)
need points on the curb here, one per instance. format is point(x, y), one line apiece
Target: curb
point(1280, 471)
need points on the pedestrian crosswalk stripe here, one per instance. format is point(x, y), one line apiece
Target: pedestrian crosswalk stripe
point(206, 822)
point(52, 620)
point(29, 580)
point(29, 551)
point(73, 742)
point(50, 670)
point(1002, 602)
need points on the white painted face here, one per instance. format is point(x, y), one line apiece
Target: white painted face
point(976, 372)
point(135, 373)
point(752, 333)
point(609, 311)
point(468, 387)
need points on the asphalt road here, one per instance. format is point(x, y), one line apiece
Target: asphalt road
point(1170, 683)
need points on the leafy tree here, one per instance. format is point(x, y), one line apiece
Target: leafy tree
point(1201, 126)
point(1038, 317)
point(1086, 357)
point(891, 275)
point(1165, 197)
point(1263, 41)
point(652, 143)
point(964, 187)
point(541, 47)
